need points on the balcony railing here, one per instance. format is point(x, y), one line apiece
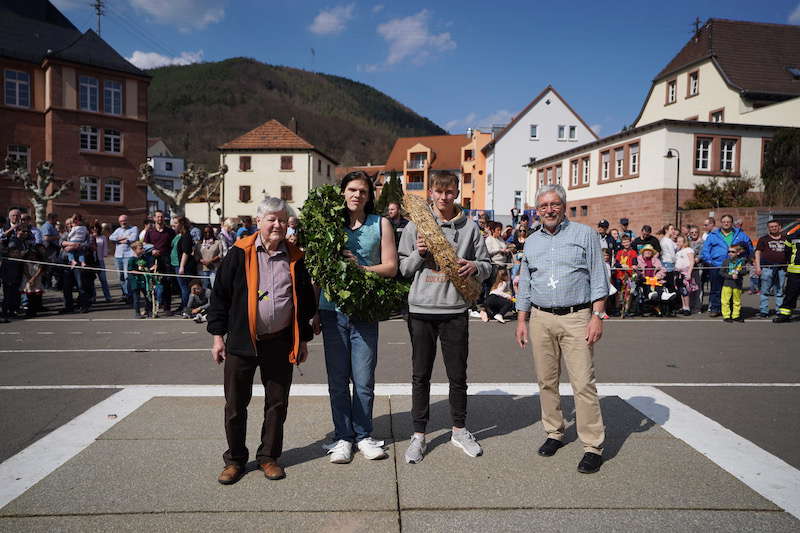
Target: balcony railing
point(416, 163)
point(414, 186)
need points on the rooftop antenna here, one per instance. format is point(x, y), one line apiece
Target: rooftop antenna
point(99, 8)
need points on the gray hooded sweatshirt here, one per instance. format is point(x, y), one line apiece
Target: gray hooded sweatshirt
point(431, 291)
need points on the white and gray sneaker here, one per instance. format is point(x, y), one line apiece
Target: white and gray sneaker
point(371, 448)
point(416, 449)
point(341, 451)
point(464, 440)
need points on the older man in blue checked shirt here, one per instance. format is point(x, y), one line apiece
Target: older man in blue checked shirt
point(563, 278)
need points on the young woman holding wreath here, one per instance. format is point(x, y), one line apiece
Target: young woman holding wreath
point(351, 344)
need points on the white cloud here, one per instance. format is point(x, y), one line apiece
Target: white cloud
point(794, 16)
point(332, 21)
point(186, 15)
point(377, 8)
point(410, 38)
point(596, 128)
point(147, 60)
point(501, 116)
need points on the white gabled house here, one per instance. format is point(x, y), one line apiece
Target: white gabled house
point(546, 126)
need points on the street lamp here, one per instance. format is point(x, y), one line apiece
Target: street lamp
point(677, 180)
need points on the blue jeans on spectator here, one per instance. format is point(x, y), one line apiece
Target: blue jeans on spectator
point(669, 267)
point(164, 289)
point(771, 277)
point(715, 294)
point(351, 354)
point(183, 285)
point(122, 264)
point(208, 278)
point(101, 275)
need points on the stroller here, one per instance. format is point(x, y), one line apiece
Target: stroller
point(658, 296)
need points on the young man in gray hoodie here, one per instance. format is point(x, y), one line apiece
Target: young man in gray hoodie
point(437, 310)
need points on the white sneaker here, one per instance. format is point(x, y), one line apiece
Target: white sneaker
point(499, 318)
point(371, 448)
point(474, 314)
point(463, 439)
point(341, 452)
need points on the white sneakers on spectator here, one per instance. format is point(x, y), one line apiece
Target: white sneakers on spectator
point(371, 448)
point(464, 440)
point(416, 449)
point(499, 318)
point(341, 452)
point(474, 314)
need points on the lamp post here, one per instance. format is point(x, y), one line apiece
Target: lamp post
point(677, 181)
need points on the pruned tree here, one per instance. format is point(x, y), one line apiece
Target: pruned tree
point(41, 187)
point(195, 181)
point(781, 173)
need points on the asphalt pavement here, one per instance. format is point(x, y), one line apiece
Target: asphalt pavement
point(133, 408)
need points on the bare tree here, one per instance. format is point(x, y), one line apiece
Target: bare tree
point(195, 181)
point(36, 186)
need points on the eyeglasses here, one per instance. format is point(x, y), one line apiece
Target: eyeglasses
point(733, 252)
point(554, 205)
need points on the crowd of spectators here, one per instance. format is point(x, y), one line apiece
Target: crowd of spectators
point(690, 265)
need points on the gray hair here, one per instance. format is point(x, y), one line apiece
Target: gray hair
point(270, 204)
point(556, 188)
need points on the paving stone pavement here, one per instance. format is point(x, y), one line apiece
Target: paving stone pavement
point(155, 470)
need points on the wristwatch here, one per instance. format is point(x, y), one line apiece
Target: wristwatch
point(598, 314)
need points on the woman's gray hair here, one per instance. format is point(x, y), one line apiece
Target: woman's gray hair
point(270, 204)
point(556, 188)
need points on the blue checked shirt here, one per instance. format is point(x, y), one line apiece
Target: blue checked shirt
point(562, 270)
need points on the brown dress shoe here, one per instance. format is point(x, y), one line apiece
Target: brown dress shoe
point(272, 470)
point(230, 474)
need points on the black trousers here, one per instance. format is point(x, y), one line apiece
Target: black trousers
point(276, 376)
point(454, 335)
point(791, 292)
point(11, 273)
point(497, 305)
point(68, 282)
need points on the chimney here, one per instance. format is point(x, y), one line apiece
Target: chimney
point(293, 124)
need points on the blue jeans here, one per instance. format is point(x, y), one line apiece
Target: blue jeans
point(715, 294)
point(351, 354)
point(669, 267)
point(771, 277)
point(208, 278)
point(122, 264)
point(183, 285)
point(101, 275)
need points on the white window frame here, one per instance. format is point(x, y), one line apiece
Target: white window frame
point(112, 93)
point(574, 170)
point(702, 153)
point(110, 187)
point(605, 162)
point(18, 88)
point(89, 185)
point(561, 132)
point(549, 175)
point(19, 152)
point(718, 116)
point(573, 133)
point(88, 93)
point(115, 138)
point(694, 83)
point(587, 166)
point(672, 91)
point(619, 162)
point(91, 135)
point(634, 158)
point(540, 177)
point(534, 132)
point(727, 155)
point(558, 174)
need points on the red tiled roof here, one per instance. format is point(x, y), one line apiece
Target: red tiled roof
point(753, 56)
point(445, 151)
point(369, 170)
point(271, 135)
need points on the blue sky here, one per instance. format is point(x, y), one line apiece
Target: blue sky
point(462, 64)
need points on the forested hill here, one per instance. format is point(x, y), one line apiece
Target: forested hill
point(195, 108)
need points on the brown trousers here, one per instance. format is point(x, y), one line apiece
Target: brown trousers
point(276, 376)
point(551, 337)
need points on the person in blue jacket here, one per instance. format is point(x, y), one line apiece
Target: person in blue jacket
point(715, 251)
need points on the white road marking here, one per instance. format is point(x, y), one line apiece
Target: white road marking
point(766, 474)
point(9, 332)
point(45, 333)
point(396, 343)
point(105, 333)
point(190, 332)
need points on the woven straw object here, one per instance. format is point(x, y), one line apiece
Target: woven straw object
point(443, 252)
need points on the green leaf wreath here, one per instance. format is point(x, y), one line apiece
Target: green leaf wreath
point(357, 292)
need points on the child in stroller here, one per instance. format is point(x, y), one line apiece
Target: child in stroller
point(656, 289)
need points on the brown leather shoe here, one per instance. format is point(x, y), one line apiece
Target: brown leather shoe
point(231, 474)
point(272, 470)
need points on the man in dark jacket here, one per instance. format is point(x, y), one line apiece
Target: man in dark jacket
point(263, 301)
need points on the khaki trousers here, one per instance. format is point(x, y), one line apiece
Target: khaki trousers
point(551, 337)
